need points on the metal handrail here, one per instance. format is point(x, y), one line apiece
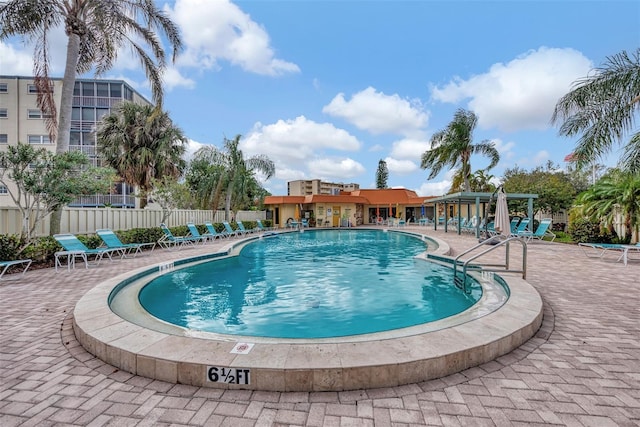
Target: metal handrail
point(502, 241)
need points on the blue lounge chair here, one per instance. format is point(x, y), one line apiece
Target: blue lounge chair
point(112, 241)
point(213, 232)
point(195, 233)
point(598, 250)
point(261, 226)
point(541, 232)
point(230, 231)
point(168, 240)
point(73, 246)
point(522, 227)
point(242, 229)
point(6, 264)
point(514, 225)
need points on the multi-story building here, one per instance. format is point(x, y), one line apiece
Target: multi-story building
point(22, 120)
point(315, 186)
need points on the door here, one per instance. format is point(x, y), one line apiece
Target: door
point(336, 216)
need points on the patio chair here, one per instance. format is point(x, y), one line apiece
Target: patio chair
point(242, 229)
point(514, 224)
point(195, 233)
point(230, 231)
point(598, 250)
point(111, 240)
point(541, 232)
point(262, 227)
point(522, 227)
point(213, 232)
point(6, 264)
point(74, 247)
point(169, 241)
point(304, 223)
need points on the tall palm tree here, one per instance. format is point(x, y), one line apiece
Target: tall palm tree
point(453, 147)
point(96, 30)
point(602, 108)
point(237, 171)
point(617, 191)
point(141, 143)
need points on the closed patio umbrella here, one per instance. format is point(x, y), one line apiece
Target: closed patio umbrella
point(502, 223)
point(422, 211)
point(297, 214)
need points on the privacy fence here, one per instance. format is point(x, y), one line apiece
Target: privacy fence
point(88, 220)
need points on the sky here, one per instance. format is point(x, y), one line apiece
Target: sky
point(327, 89)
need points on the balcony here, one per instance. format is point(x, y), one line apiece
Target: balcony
point(104, 200)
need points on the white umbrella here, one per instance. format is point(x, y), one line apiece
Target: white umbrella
point(502, 223)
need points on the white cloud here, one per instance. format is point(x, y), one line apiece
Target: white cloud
point(192, 147)
point(303, 148)
point(335, 169)
point(378, 113)
point(540, 158)
point(15, 62)
point(220, 30)
point(434, 188)
point(505, 149)
point(173, 78)
point(401, 167)
point(409, 149)
point(522, 93)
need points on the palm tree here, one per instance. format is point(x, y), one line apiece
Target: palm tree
point(602, 109)
point(233, 171)
point(618, 191)
point(141, 143)
point(96, 30)
point(453, 147)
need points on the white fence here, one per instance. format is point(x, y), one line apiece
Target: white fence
point(88, 220)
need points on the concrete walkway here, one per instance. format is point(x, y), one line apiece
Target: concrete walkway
point(581, 369)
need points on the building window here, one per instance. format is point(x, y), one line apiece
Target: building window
point(3, 190)
point(4, 88)
point(33, 89)
point(37, 114)
point(4, 138)
point(116, 90)
point(3, 113)
point(39, 139)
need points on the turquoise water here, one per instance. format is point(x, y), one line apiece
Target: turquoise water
point(316, 284)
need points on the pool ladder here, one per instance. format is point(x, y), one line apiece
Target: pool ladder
point(495, 242)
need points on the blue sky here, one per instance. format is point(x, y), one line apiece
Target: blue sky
point(326, 89)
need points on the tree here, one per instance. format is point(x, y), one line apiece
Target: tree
point(96, 31)
point(616, 192)
point(454, 147)
point(602, 109)
point(141, 143)
point(229, 172)
point(45, 182)
point(553, 186)
point(382, 174)
point(170, 195)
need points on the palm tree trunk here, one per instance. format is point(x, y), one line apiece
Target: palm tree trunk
point(227, 204)
point(64, 115)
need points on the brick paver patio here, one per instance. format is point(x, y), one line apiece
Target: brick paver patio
point(581, 369)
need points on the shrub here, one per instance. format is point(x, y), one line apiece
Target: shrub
point(9, 246)
point(582, 230)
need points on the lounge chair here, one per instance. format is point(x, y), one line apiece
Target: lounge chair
point(242, 229)
point(6, 264)
point(262, 227)
point(168, 240)
point(113, 242)
point(522, 227)
point(541, 232)
point(195, 233)
point(74, 247)
point(514, 225)
point(598, 250)
point(213, 232)
point(230, 231)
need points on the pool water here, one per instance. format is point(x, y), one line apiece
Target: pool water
point(315, 284)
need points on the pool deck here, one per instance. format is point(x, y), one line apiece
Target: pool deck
point(582, 368)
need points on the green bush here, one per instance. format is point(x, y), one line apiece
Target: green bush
point(9, 246)
point(582, 230)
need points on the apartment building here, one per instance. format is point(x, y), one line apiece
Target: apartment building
point(316, 186)
point(22, 120)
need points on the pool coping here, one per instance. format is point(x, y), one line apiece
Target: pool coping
point(310, 365)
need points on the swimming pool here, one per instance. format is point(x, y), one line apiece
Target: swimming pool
point(316, 284)
point(109, 323)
